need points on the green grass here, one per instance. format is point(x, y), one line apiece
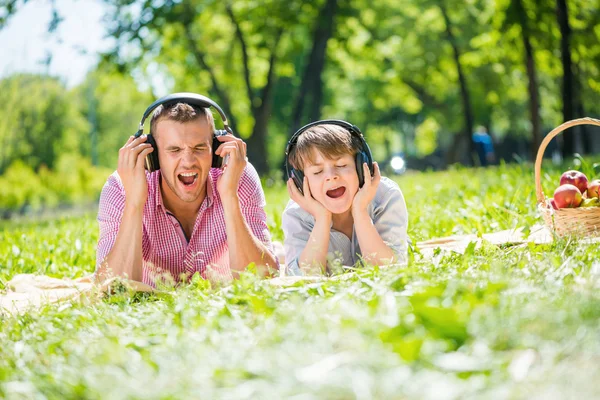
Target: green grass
point(514, 322)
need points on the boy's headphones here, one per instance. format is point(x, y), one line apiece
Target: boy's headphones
point(192, 99)
point(363, 155)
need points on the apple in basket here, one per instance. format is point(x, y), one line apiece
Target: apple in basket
point(575, 178)
point(567, 196)
point(593, 189)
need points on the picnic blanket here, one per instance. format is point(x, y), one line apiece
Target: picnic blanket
point(26, 291)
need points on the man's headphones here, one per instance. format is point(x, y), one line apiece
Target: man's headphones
point(363, 155)
point(192, 99)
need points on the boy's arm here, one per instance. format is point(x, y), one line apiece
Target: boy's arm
point(313, 257)
point(372, 235)
point(375, 251)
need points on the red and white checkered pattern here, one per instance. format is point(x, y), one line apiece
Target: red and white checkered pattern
point(165, 250)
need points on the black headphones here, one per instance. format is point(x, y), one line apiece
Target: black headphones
point(192, 99)
point(362, 156)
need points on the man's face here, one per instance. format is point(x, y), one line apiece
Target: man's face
point(332, 182)
point(185, 154)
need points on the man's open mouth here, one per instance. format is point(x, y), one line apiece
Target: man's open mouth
point(337, 192)
point(188, 178)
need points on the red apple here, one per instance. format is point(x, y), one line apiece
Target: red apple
point(553, 204)
point(593, 188)
point(567, 196)
point(575, 178)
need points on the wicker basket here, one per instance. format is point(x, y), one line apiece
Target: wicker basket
point(582, 221)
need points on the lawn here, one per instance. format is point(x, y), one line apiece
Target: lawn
point(494, 323)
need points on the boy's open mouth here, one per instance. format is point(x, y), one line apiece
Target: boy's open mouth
point(188, 178)
point(337, 192)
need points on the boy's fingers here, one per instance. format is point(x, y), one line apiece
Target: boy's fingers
point(306, 188)
point(377, 174)
point(293, 190)
point(367, 174)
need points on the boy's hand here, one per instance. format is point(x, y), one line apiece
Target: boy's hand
point(366, 194)
point(307, 201)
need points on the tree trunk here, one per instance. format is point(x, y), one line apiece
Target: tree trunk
point(562, 15)
point(312, 83)
point(216, 89)
point(257, 149)
point(532, 87)
point(464, 91)
point(261, 105)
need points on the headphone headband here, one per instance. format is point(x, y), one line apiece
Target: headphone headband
point(184, 97)
point(344, 124)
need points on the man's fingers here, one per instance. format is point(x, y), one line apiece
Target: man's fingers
point(131, 138)
point(141, 158)
point(133, 141)
point(228, 145)
point(228, 138)
point(130, 155)
point(234, 149)
point(232, 141)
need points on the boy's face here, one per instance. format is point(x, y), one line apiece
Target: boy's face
point(332, 182)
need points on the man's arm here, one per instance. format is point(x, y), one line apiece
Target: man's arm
point(244, 246)
point(122, 256)
point(125, 256)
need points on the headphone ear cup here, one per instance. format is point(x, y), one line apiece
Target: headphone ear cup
point(361, 158)
point(152, 163)
point(298, 177)
point(217, 161)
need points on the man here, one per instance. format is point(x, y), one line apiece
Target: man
point(185, 217)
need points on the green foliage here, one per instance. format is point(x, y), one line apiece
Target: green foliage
point(73, 181)
point(39, 121)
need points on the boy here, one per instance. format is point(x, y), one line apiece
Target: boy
point(339, 211)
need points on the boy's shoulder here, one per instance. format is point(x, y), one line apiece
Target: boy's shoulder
point(387, 185)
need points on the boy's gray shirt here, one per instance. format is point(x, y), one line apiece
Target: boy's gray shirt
point(387, 211)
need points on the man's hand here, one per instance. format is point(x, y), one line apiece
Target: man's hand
point(366, 194)
point(131, 170)
point(235, 148)
point(307, 201)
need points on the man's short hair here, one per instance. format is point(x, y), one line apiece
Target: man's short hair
point(180, 112)
point(331, 140)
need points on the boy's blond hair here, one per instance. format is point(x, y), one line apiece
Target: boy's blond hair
point(333, 141)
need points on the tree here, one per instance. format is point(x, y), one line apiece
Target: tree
point(38, 122)
point(234, 48)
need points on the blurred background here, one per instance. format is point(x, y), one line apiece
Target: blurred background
point(430, 83)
